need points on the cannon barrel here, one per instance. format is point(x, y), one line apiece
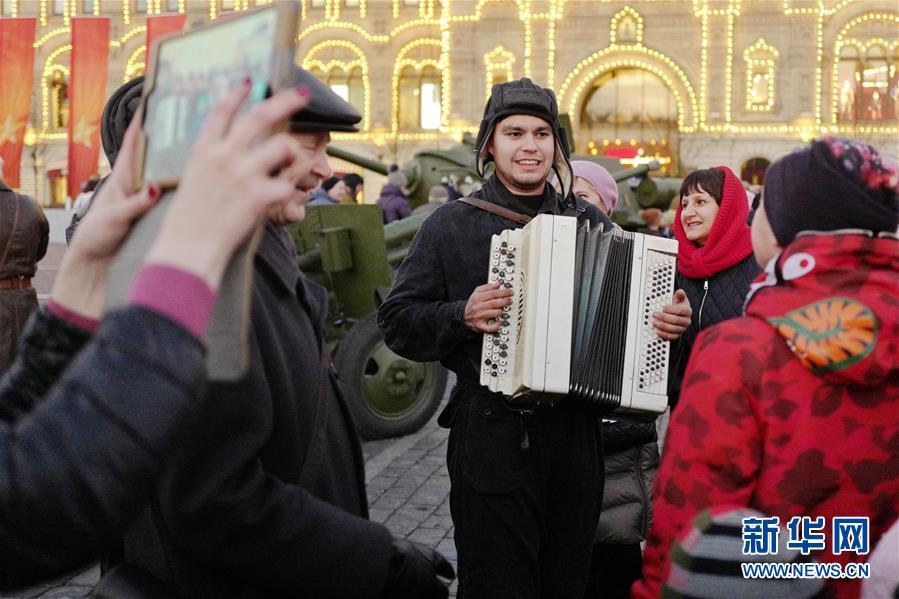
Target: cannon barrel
point(366, 163)
point(637, 171)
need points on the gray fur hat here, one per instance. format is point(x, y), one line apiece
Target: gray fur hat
point(523, 96)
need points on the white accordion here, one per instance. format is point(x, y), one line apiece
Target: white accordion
point(580, 323)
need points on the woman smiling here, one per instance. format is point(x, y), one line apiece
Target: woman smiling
point(715, 264)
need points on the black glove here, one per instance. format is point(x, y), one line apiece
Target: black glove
point(414, 569)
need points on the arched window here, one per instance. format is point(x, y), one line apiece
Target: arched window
point(849, 79)
point(753, 170)
point(418, 83)
point(630, 113)
point(419, 101)
point(877, 104)
point(866, 83)
point(760, 61)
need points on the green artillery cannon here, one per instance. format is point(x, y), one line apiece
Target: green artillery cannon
point(345, 248)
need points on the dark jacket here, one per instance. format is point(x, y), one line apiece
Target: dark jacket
point(423, 320)
point(24, 234)
point(229, 517)
point(631, 460)
point(75, 467)
point(393, 203)
point(713, 300)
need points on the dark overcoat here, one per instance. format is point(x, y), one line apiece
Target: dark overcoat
point(230, 517)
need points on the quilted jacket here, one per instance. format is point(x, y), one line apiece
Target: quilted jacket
point(793, 409)
point(713, 300)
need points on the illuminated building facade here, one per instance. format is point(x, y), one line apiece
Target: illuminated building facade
point(693, 82)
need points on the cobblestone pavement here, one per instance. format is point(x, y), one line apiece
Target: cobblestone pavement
point(408, 490)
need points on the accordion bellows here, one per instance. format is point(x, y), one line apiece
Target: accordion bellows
point(580, 323)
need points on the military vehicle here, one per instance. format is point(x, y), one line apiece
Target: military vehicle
point(430, 167)
point(348, 250)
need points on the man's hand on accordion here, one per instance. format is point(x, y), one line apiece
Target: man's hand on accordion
point(674, 318)
point(485, 306)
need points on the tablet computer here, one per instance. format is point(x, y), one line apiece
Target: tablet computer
point(190, 72)
point(187, 76)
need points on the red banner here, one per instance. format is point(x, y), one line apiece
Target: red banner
point(16, 82)
point(87, 95)
point(161, 25)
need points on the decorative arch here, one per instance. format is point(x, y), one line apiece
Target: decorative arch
point(863, 47)
point(761, 68)
point(50, 69)
point(571, 92)
point(312, 61)
point(498, 60)
point(522, 6)
point(622, 21)
point(136, 63)
point(430, 56)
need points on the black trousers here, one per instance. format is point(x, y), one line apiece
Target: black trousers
point(525, 498)
point(613, 570)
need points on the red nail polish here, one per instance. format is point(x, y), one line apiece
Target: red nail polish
point(246, 81)
point(153, 191)
point(302, 90)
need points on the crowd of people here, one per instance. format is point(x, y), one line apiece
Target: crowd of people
point(783, 381)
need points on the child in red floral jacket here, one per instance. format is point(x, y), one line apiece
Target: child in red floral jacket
point(793, 409)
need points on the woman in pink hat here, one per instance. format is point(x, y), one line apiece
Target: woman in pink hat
point(594, 184)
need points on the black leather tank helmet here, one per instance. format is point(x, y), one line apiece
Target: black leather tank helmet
point(525, 97)
point(117, 114)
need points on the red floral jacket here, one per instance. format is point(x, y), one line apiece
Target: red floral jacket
point(793, 409)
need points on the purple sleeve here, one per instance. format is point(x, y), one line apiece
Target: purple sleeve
point(85, 323)
point(174, 293)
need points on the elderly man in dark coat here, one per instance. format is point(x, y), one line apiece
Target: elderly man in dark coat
point(24, 234)
point(267, 496)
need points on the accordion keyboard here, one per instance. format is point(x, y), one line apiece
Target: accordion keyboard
point(659, 270)
point(499, 348)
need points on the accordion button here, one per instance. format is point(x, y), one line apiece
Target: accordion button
point(494, 366)
point(503, 354)
point(487, 362)
point(502, 251)
point(492, 374)
point(503, 346)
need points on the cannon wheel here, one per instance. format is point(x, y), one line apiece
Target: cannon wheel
point(388, 395)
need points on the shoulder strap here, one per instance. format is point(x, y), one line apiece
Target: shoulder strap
point(517, 217)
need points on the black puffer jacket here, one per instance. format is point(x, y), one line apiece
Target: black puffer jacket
point(631, 460)
point(81, 440)
point(713, 300)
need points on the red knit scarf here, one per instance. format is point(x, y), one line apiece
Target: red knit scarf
point(728, 242)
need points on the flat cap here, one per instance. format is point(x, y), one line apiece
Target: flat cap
point(326, 110)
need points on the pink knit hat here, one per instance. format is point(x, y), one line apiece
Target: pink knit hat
point(600, 179)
